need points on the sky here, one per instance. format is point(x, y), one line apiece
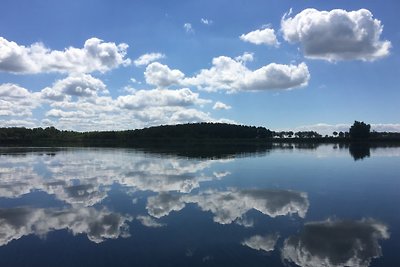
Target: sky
point(114, 64)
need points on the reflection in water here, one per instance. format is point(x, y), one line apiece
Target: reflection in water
point(359, 150)
point(97, 225)
point(89, 191)
point(336, 243)
point(149, 221)
point(264, 243)
point(228, 206)
point(85, 177)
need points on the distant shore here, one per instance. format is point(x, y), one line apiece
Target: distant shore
point(207, 134)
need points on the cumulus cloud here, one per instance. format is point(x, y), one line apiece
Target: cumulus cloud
point(146, 59)
point(160, 97)
point(337, 34)
point(82, 102)
point(246, 57)
point(17, 101)
point(96, 55)
point(162, 76)
point(336, 243)
point(219, 106)
point(79, 85)
point(98, 225)
point(232, 75)
point(30, 123)
point(258, 242)
point(261, 36)
point(188, 27)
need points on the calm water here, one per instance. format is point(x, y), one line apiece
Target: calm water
point(326, 206)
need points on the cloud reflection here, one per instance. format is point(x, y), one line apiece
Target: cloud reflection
point(336, 243)
point(264, 243)
point(229, 206)
point(98, 225)
point(84, 176)
point(149, 221)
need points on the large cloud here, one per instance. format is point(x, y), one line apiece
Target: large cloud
point(80, 85)
point(232, 75)
point(98, 225)
point(337, 34)
point(161, 75)
point(96, 55)
point(336, 243)
point(261, 36)
point(160, 97)
point(82, 102)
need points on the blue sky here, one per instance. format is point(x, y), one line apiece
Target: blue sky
point(101, 65)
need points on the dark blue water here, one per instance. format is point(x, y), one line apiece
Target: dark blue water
point(121, 207)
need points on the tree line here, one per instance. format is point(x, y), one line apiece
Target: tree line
point(189, 131)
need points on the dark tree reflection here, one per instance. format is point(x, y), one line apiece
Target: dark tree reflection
point(359, 150)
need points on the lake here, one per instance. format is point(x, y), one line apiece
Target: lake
point(321, 205)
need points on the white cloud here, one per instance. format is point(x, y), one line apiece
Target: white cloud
point(258, 242)
point(162, 76)
point(79, 85)
point(19, 123)
point(219, 106)
point(261, 36)
point(232, 75)
point(325, 128)
point(96, 55)
point(146, 59)
point(17, 101)
point(206, 21)
point(142, 99)
point(188, 27)
point(336, 243)
point(337, 34)
point(246, 57)
point(385, 127)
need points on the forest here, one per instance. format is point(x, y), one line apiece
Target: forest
point(215, 132)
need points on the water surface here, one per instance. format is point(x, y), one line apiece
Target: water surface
point(287, 206)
